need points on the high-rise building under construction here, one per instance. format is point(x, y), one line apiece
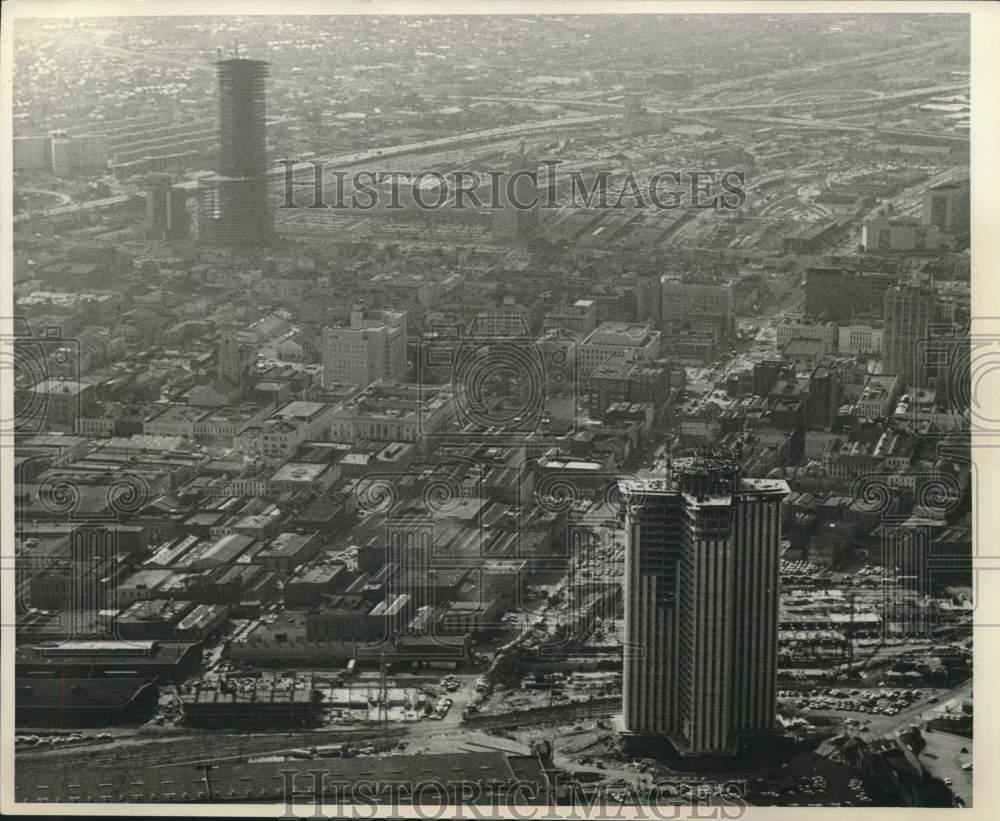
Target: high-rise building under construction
point(233, 205)
point(701, 607)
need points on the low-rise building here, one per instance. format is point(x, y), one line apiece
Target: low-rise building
point(697, 306)
point(293, 477)
point(288, 551)
point(460, 617)
point(578, 318)
point(244, 587)
point(58, 403)
point(393, 412)
point(860, 339)
point(277, 437)
point(141, 585)
point(902, 235)
point(308, 585)
point(342, 617)
point(803, 354)
point(203, 621)
point(791, 329)
point(211, 553)
point(174, 420)
point(879, 396)
point(221, 426)
point(152, 619)
point(634, 341)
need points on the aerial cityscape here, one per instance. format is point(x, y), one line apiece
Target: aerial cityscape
point(494, 410)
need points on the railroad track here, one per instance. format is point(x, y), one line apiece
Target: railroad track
point(161, 751)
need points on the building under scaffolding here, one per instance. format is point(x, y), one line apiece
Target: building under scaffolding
point(233, 205)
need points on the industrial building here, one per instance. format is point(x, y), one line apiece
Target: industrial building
point(74, 702)
point(167, 661)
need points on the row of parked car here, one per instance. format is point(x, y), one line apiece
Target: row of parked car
point(59, 740)
point(884, 702)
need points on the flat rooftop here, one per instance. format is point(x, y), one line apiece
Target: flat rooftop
point(621, 334)
point(306, 472)
point(299, 411)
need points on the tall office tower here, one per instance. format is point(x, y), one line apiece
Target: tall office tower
point(60, 159)
point(948, 360)
point(518, 193)
point(372, 348)
point(947, 207)
point(233, 205)
point(909, 312)
point(232, 360)
point(824, 397)
point(840, 295)
point(701, 607)
point(178, 220)
point(166, 209)
point(649, 300)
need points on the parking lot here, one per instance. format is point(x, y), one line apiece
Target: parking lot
point(855, 703)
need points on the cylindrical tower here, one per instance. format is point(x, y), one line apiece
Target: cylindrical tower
point(233, 206)
point(241, 117)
